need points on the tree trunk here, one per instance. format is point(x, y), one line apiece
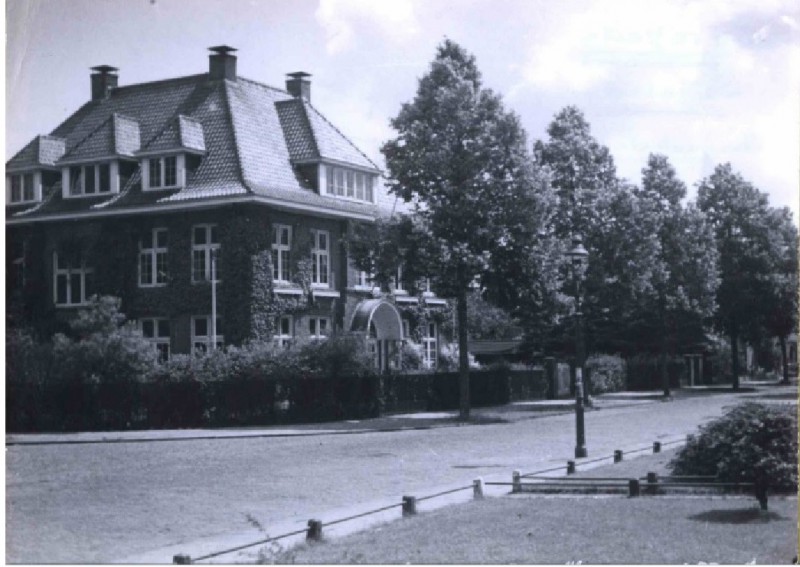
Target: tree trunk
point(663, 364)
point(662, 348)
point(784, 360)
point(735, 360)
point(463, 355)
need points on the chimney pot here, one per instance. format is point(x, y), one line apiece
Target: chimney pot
point(222, 63)
point(298, 85)
point(103, 79)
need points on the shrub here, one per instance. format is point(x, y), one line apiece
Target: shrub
point(751, 443)
point(606, 372)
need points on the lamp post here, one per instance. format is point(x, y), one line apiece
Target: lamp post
point(578, 256)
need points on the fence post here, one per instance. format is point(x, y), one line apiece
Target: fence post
point(633, 488)
point(516, 482)
point(652, 483)
point(314, 532)
point(570, 467)
point(656, 446)
point(477, 489)
point(617, 456)
point(181, 560)
point(409, 506)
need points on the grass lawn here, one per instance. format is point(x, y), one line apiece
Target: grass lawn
point(529, 528)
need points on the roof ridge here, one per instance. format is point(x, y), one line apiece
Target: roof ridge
point(236, 146)
point(189, 104)
point(91, 133)
point(310, 127)
point(263, 85)
point(160, 82)
point(349, 141)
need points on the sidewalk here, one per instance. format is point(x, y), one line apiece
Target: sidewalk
point(509, 413)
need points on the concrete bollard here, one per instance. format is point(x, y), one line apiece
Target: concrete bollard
point(314, 532)
point(181, 560)
point(477, 489)
point(656, 446)
point(652, 483)
point(570, 467)
point(617, 456)
point(634, 489)
point(516, 482)
point(409, 506)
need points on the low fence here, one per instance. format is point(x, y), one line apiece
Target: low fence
point(51, 407)
point(634, 487)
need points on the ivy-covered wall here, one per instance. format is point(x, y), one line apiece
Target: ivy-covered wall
point(246, 303)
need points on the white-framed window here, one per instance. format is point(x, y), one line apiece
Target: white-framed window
point(318, 328)
point(203, 335)
point(156, 330)
point(22, 187)
point(349, 183)
point(430, 349)
point(406, 328)
point(320, 258)
point(281, 247)
point(153, 258)
point(90, 179)
point(73, 280)
point(284, 331)
point(162, 173)
point(205, 245)
point(363, 279)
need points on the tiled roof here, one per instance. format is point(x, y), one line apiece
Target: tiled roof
point(118, 135)
point(41, 151)
point(297, 130)
point(332, 143)
point(249, 134)
point(181, 133)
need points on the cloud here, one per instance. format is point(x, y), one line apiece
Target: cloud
point(344, 21)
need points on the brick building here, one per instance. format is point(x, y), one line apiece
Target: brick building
point(206, 189)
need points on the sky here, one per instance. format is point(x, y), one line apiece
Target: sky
point(703, 82)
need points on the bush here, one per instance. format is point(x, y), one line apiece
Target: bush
point(606, 372)
point(751, 443)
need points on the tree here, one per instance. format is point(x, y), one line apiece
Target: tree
point(739, 215)
point(683, 275)
point(593, 203)
point(781, 315)
point(461, 159)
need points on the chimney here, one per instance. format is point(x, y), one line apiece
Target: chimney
point(298, 86)
point(104, 78)
point(222, 64)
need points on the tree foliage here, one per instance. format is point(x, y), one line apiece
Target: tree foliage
point(461, 160)
point(751, 443)
point(751, 240)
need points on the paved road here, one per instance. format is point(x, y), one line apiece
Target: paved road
point(113, 502)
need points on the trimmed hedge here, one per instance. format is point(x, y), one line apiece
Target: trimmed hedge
point(436, 392)
point(644, 372)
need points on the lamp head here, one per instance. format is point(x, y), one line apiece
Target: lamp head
point(578, 254)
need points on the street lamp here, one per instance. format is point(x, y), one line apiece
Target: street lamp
point(578, 256)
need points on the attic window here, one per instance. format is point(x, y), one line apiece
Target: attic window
point(349, 184)
point(164, 172)
point(22, 187)
point(90, 179)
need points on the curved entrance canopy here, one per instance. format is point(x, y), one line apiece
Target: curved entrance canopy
point(380, 315)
